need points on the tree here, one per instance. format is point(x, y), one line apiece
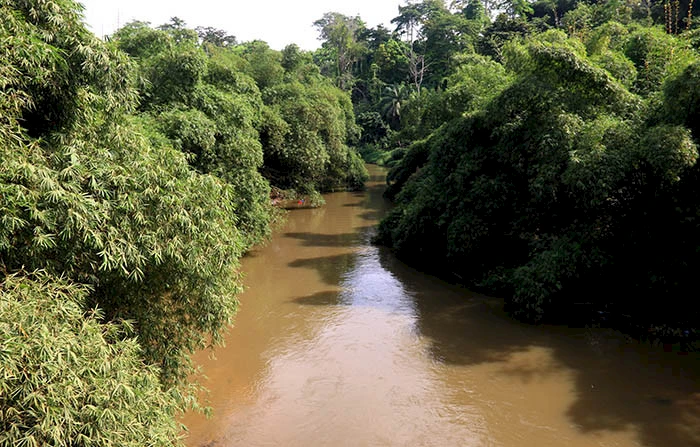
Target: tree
point(392, 62)
point(293, 58)
point(177, 29)
point(409, 24)
point(207, 106)
point(516, 8)
point(340, 34)
point(433, 36)
point(501, 31)
point(446, 35)
point(473, 8)
point(139, 40)
point(374, 129)
point(549, 158)
point(264, 64)
point(214, 36)
point(305, 136)
point(392, 101)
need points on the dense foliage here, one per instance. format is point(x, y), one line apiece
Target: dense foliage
point(130, 185)
point(70, 380)
point(240, 111)
point(549, 156)
point(84, 193)
point(307, 123)
point(206, 108)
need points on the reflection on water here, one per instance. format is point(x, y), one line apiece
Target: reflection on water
point(338, 343)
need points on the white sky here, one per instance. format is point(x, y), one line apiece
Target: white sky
point(278, 22)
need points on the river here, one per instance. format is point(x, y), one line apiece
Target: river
point(337, 343)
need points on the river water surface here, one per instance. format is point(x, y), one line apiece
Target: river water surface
point(339, 344)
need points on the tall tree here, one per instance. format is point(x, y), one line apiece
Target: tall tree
point(433, 35)
point(340, 35)
point(409, 23)
point(214, 36)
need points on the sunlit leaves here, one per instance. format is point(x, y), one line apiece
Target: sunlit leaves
point(89, 193)
point(669, 150)
point(206, 107)
point(307, 126)
point(67, 379)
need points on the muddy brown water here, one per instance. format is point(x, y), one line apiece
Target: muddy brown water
point(339, 344)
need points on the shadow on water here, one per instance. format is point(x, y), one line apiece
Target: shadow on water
point(331, 269)
point(324, 298)
point(373, 216)
point(326, 240)
point(618, 381)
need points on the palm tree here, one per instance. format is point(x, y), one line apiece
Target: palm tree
point(393, 98)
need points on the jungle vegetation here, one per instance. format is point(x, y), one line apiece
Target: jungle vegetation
point(545, 151)
point(135, 172)
point(541, 151)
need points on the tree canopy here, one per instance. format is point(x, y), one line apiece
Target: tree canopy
point(555, 164)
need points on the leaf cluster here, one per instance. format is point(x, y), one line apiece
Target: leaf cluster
point(67, 379)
